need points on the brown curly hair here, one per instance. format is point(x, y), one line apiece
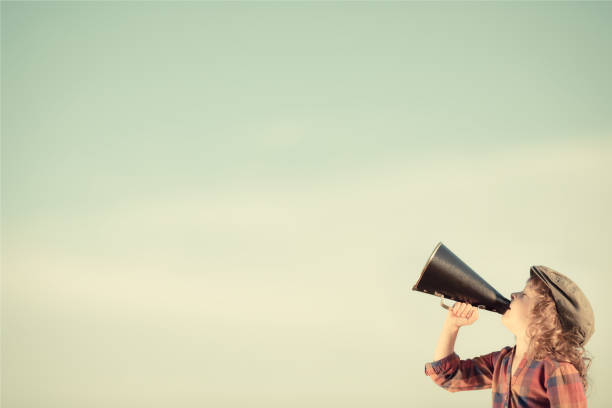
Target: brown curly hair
point(548, 337)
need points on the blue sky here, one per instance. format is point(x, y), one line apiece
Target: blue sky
point(140, 96)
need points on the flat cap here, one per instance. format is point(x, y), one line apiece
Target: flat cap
point(572, 305)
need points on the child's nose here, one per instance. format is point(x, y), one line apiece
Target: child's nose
point(513, 295)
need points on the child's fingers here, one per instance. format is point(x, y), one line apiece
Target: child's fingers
point(462, 310)
point(457, 309)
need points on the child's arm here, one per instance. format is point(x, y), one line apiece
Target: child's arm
point(448, 370)
point(461, 314)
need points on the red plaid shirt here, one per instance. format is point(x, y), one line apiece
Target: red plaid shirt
point(536, 383)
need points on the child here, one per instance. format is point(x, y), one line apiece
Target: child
point(552, 321)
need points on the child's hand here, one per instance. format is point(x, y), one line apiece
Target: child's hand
point(462, 314)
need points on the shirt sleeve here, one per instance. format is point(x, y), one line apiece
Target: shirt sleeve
point(564, 388)
point(454, 374)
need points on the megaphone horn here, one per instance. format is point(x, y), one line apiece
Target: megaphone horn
point(448, 277)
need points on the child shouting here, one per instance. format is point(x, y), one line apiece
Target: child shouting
point(552, 321)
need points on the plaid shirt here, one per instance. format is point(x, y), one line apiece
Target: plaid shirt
point(536, 383)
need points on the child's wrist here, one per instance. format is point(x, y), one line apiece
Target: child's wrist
point(451, 327)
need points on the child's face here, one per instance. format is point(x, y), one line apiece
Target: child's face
point(517, 317)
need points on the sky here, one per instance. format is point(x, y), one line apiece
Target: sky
point(227, 204)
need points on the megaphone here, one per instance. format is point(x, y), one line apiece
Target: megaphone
point(447, 276)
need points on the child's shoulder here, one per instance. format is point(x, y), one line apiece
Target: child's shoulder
point(550, 366)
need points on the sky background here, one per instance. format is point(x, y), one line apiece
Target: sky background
point(227, 204)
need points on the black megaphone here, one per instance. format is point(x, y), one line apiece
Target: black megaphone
point(447, 276)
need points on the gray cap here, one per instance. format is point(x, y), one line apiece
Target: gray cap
point(572, 305)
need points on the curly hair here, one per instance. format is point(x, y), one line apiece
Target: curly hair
point(548, 336)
